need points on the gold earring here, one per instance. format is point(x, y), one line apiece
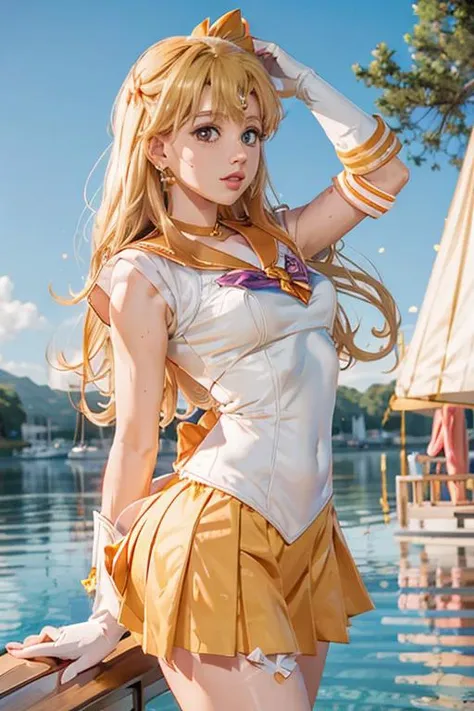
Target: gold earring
point(166, 177)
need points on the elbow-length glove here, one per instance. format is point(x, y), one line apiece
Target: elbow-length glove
point(345, 124)
point(86, 643)
point(363, 143)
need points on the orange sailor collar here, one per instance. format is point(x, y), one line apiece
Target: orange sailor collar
point(292, 279)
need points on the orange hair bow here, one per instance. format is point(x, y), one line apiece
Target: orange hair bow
point(231, 27)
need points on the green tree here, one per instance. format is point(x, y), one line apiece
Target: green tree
point(374, 401)
point(12, 414)
point(372, 404)
point(347, 405)
point(434, 99)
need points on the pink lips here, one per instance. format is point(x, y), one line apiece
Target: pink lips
point(234, 180)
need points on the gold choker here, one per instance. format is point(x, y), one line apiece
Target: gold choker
point(218, 231)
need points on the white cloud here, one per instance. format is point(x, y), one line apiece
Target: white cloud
point(60, 379)
point(16, 316)
point(43, 374)
point(35, 371)
point(362, 375)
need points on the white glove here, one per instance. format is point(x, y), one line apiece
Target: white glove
point(345, 125)
point(87, 643)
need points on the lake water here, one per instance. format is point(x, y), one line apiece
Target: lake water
point(414, 651)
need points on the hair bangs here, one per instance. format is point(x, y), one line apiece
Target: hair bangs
point(231, 73)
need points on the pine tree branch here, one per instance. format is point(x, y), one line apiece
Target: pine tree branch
point(468, 88)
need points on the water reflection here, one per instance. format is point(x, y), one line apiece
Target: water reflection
point(415, 650)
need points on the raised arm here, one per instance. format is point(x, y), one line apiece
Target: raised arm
point(372, 175)
point(329, 216)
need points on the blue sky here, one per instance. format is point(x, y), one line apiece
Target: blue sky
point(62, 66)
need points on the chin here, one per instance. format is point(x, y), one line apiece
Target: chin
point(230, 199)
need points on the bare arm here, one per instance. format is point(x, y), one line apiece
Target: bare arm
point(139, 338)
point(328, 217)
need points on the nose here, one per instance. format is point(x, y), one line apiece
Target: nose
point(238, 155)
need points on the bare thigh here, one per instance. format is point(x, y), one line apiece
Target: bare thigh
point(312, 668)
point(210, 682)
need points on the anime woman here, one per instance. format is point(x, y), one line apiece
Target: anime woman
point(232, 570)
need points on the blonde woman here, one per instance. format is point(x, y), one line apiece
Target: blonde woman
point(232, 570)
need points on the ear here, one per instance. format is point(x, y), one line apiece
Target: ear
point(156, 151)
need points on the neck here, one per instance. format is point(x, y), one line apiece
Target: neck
point(188, 206)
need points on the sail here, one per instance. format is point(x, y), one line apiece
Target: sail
point(439, 365)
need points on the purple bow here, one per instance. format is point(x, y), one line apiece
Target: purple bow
point(294, 267)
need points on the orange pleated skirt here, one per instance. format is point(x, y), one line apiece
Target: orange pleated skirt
point(203, 571)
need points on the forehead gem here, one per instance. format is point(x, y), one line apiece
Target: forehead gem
point(243, 101)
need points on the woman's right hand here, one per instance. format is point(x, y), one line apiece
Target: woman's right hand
point(284, 70)
point(85, 643)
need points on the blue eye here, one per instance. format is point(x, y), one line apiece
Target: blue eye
point(206, 131)
point(255, 133)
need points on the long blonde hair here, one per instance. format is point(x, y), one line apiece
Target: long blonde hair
point(161, 92)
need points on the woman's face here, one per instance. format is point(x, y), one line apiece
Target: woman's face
point(205, 151)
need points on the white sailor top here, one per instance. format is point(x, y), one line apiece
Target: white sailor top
point(270, 363)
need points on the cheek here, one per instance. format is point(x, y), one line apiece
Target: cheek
point(194, 164)
point(254, 157)
point(253, 161)
point(188, 157)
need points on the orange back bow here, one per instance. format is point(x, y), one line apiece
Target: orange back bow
point(231, 27)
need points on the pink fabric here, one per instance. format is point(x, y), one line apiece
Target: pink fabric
point(449, 433)
point(437, 435)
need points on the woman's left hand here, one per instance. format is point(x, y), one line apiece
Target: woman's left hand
point(284, 69)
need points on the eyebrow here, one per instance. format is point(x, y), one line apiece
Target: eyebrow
point(221, 115)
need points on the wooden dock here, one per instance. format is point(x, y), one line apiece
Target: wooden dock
point(125, 681)
point(421, 511)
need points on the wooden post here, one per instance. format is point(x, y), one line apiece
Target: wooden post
point(384, 498)
point(402, 501)
point(419, 492)
point(403, 431)
point(432, 492)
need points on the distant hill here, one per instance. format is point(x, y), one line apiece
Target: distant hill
point(41, 400)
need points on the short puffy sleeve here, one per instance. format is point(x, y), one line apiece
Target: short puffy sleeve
point(178, 285)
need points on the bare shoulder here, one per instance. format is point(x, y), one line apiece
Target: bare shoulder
point(329, 216)
point(322, 221)
point(290, 220)
point(134, 299)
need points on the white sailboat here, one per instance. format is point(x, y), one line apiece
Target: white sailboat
point(82, 450)
point(43, 449)
point(438, 368)
point(439, 365)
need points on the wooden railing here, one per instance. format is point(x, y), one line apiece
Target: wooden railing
point(125, 681)
point(425, 491)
